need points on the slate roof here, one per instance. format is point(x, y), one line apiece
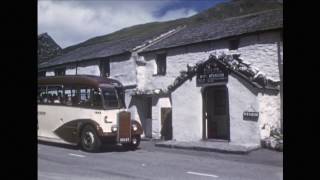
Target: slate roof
point(191, 34)
point(266, 20)
point(94, 51)
point(101, 49)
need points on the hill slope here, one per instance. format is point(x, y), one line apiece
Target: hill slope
point(218, 12)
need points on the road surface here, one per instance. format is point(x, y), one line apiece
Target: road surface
point(150, 162)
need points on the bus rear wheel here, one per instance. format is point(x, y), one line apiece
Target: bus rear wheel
point(89, 139)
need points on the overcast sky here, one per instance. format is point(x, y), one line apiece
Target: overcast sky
point(70, 22)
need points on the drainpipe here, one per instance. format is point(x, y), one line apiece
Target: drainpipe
point(280, 65)
point(76, 68)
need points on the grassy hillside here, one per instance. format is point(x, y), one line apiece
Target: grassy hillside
point(218, 12)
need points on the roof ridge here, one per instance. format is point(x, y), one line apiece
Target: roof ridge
point(250, 14)
point(159, 38)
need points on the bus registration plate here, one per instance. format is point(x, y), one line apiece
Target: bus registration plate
point(124, 139)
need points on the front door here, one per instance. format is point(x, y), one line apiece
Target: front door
point(166, 123)
point(216, 112)
point(148, 117)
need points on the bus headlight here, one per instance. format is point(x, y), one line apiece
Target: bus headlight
point(134, 127)
point(114, 128)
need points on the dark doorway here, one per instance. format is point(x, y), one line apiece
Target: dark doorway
point(166, 123)
point(148, 116)
point(216, 112)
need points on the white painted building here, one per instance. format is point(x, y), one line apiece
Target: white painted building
point(161, 72)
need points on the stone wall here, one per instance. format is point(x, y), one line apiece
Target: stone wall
point(242, 98)
point(269, 113)
point(157, 104)
point(88, 68)
point(123, 68)
point(187, 112)
point(260, 50)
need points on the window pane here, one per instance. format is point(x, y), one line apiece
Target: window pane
point(85, 99)
point(42, 94)
point(110, 98)
point(161, 64)
point(54, 94)
point(67, 96)
point(96, 97)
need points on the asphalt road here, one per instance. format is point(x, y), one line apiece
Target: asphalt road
point(149, 162)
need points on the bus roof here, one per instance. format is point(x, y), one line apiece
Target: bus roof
point(80, 80)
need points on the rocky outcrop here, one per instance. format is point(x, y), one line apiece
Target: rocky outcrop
point(47, 48)
point(275, 141)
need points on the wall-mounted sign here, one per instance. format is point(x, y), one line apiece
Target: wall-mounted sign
point(211, 73)
point(250, 116)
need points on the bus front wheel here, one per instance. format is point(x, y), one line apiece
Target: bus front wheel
point(89, 139)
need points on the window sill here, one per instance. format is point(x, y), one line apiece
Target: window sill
point(158, 75)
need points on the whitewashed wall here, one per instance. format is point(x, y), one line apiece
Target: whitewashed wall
point(269, 113)
point(141, 76)
point(157, 104)
point(89, 68)
point(177, 60)
point(70, 70)
point(156, 126)
point(260, 50)
point(49, 73)
point(242, 99)
point(137, 107)
point(187, 112)
point(123, 68)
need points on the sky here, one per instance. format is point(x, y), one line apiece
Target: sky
point(70, 22)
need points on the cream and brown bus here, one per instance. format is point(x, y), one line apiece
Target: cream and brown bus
point(85, 110)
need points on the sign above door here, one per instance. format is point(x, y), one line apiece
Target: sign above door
point(211, 73)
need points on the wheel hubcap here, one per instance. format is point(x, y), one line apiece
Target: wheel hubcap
point(88, 139)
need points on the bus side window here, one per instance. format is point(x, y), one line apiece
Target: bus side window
point(71, 96)
point(96, 97)
point(41, 94)
point(54, 94)
point(85, 97)
point(67, 96)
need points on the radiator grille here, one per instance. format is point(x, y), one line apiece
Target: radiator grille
point(124, 130)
